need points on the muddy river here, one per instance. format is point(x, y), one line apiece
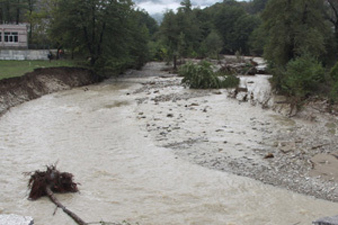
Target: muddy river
point(95, 134)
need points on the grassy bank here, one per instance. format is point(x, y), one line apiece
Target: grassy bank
point(18, 68)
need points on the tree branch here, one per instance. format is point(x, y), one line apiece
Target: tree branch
point(51, 196)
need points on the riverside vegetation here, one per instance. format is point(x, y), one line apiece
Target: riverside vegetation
point(299, 39)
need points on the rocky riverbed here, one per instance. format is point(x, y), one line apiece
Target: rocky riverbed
point(211, 129)
point(207, 127)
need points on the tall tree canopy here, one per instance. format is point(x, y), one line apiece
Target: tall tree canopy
point(294, 27)
point(14, 11)
point(102, 29)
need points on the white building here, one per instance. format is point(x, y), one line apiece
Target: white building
point(13, 36)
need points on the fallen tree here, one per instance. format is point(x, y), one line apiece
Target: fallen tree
point(46, 183)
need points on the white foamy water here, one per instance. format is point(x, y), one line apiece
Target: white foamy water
point(95, 135)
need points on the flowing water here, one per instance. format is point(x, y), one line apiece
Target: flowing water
point(124, 176)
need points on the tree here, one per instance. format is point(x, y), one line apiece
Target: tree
point(294, 27)
point(213, 44)
point(185, 6)
point(13, 11)
point(103, 30)
point(170, 32)
point(258, 5)
point(226, 18)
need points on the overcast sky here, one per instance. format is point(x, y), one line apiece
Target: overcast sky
point(159, 6)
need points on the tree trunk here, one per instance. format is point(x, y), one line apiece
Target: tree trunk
point(175, 62)
point(51, 196)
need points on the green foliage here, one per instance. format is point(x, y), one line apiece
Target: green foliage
point(228, 81)
point(334, 73)
point(294, 27)
point(213, 44)
point(257, 41)
point(302, 77)
point(13, 11)
point(107, 32)
point(333, 95)
point(202, 76)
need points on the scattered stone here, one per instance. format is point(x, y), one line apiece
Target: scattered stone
point(193, 104)
point(269, 156)
point(287, 147)
point(170, 115)
point(217, 92)
point(16, 220)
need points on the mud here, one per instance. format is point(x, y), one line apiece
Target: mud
point(14, 91)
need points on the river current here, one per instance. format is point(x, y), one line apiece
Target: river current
point(94, 134)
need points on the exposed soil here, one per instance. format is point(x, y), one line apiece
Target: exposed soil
point(14, 91)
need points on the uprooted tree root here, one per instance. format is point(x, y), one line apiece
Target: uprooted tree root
point(46, 183)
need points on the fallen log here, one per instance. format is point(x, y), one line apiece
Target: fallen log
point(76, 218)
point(46, 183)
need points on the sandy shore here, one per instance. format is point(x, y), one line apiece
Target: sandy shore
point(209, 128)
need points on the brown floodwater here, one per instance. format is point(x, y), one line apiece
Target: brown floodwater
point(94, 134)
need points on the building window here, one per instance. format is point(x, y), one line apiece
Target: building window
point(0, 36)
point(11, 37)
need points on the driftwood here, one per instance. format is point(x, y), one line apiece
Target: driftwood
point(76, 218)
point(46, 183)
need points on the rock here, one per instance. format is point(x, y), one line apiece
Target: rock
point(16, 220)
point(170, 115)
point(269, 156)
point(327, 221)
point(287, 147)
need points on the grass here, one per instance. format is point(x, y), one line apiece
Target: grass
point(18, 68)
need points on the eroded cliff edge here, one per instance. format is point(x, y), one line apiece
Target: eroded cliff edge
point(14, 91)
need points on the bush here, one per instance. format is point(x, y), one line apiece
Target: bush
point(230, 81)
point(333, 95)
point(334, 73)
point(302, 77)
point(202, 76)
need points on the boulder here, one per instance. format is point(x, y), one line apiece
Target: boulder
point(16, 220)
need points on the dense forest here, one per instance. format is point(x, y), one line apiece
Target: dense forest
point(298, 38)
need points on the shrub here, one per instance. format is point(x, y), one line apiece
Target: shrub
point(199, 76)
point(334, 73)
point(230, 81)
point(202, 76)
point(333, 95)
point(302, 77)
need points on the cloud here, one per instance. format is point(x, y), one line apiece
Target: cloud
point(160, 6)
point(153, 7)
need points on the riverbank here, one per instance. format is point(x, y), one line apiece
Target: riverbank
point(298, 153)
point(14, 91)
point(146, 142)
